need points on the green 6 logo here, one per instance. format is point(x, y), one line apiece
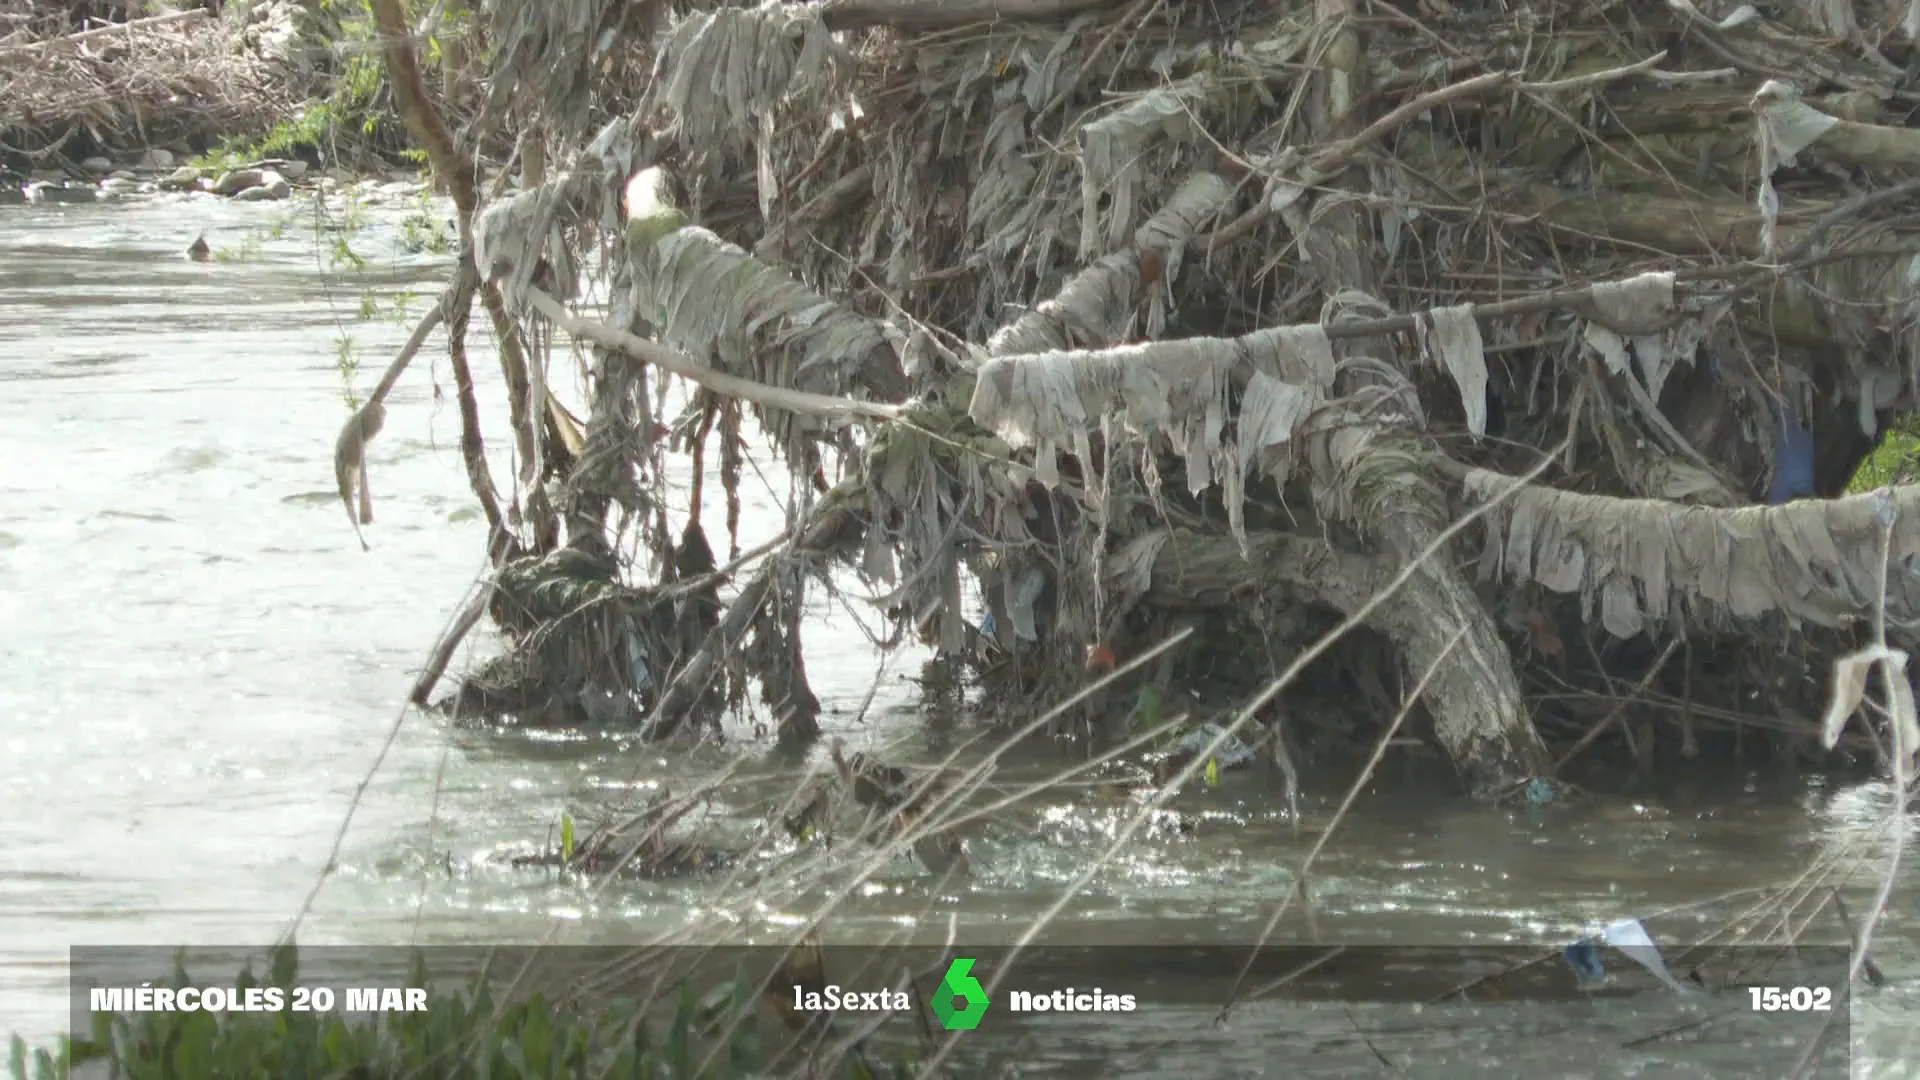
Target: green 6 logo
point(961, 1001)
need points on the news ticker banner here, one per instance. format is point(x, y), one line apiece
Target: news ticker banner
point(1767, 999)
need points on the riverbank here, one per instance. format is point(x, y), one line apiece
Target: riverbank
point(155, 174)
point(202, 667)
point(179, 82)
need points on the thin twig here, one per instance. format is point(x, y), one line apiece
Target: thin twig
point(1896, 704)
point(1301, 879)
point(443, 650)
point(148, 23)
point(1606, 721)
point(1125, 834)
point(1337, 155)
point(1597, 78)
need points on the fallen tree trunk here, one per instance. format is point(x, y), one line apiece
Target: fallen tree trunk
point(1491, 752)
point(151, 22)
point(1639, 562)
point(1479, 715)
point(935, 14)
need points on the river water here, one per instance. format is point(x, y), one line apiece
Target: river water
point(198, 666)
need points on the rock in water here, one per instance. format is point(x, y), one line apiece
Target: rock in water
point(98, 165)
point(289, 167)
point(237, 181)
point(60, 195)
point(272, 187)
point(184, 178)
point(157, 159)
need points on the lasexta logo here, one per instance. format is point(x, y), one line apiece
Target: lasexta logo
point(961, 1001)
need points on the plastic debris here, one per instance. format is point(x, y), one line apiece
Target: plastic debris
point(1190, 750)
point(1850, 687)
point(1539, 791)
point(1631, 939)
point(1020, 611)
point(1451, 337)
point(1232, 753)
point(1787, 125)
point(639, 675)
point(1583, 957)
point(1643, 561)
point(1792, 462)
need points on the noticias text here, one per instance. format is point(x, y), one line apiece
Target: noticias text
point(834, 999)
point(266, 999)
point(1070, 1001)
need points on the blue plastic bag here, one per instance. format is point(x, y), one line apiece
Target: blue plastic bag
point(1583, 957)
point(1631, 939)
point(1792, 461)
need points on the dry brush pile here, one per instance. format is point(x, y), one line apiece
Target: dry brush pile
point(1544, 340)
point(73, 84)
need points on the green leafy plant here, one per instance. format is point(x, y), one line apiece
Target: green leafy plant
point(334, 233)
point(353, 106)
point(1895, 461)
point(246, 251)
point(423, 231)
point(1146, 709)
point(45, 1065)
point(346, 359)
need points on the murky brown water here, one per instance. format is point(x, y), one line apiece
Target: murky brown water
point(198, 665)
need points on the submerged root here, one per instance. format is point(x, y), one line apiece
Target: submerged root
point(584, 648)
point(861, 803)
point(635, 845)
